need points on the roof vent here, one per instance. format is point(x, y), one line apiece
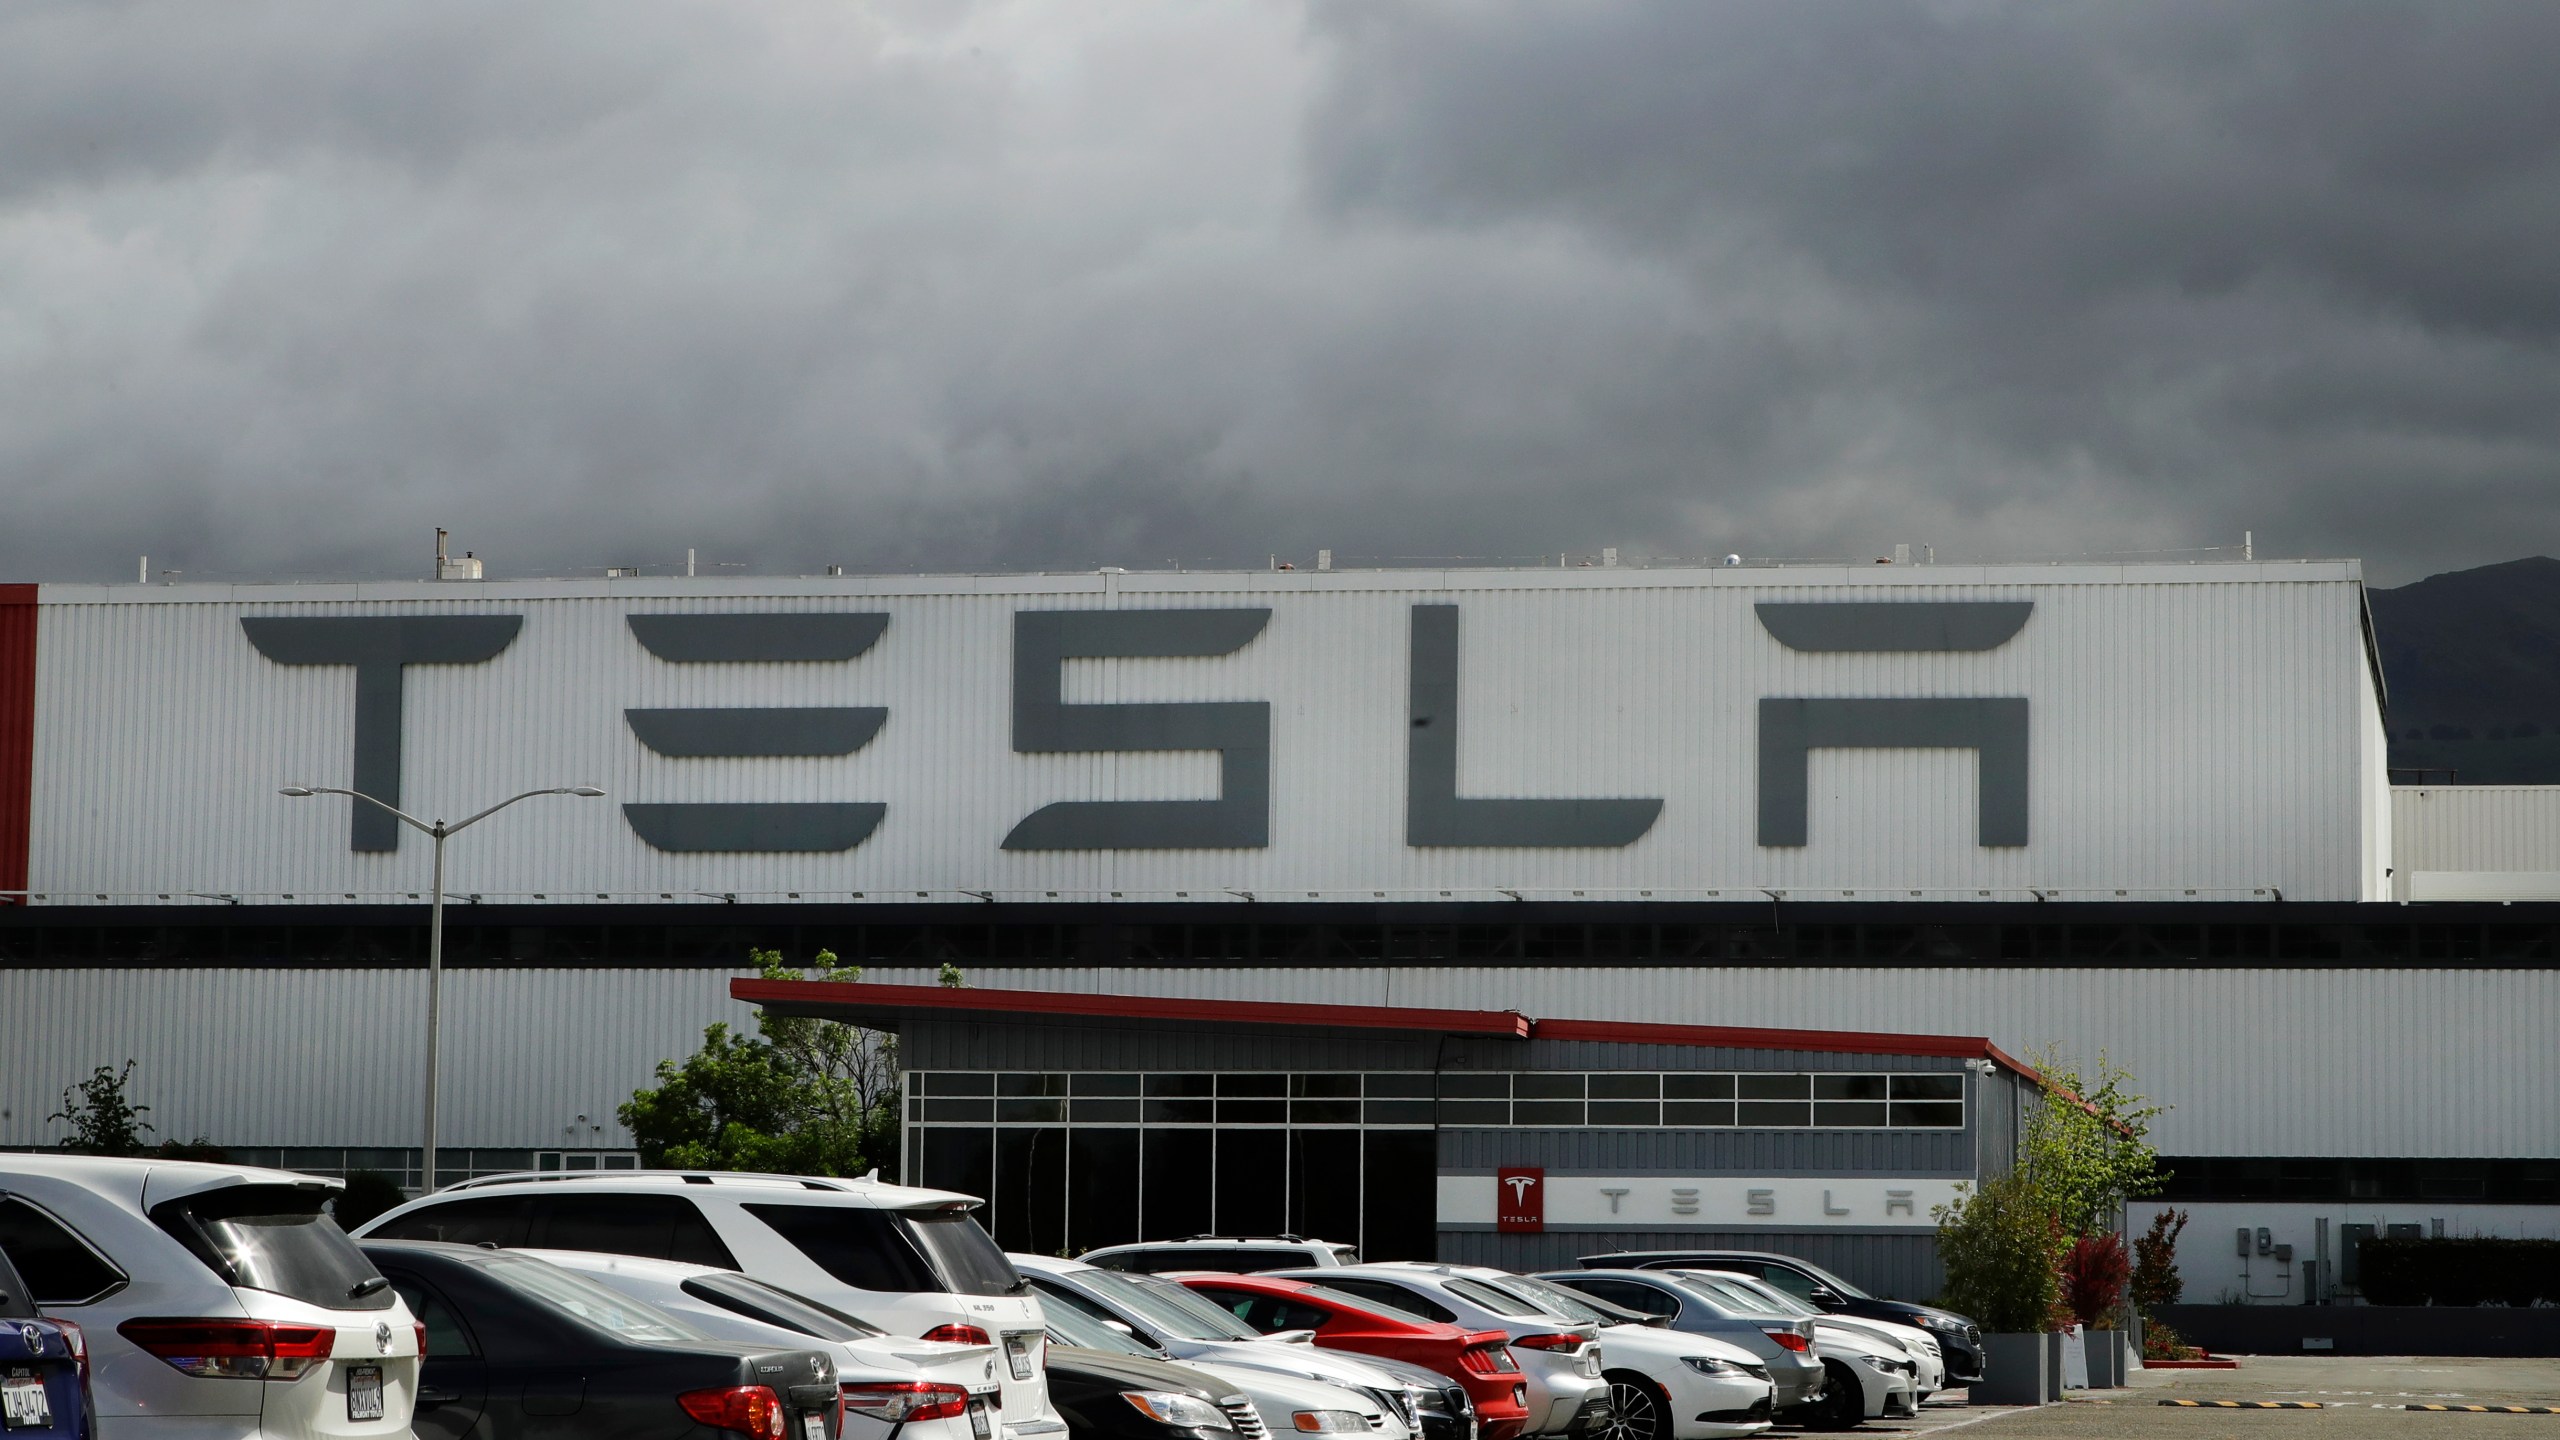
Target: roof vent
point(448, 568)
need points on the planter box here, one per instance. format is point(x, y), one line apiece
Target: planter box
point(2106, 1358)
point(2016, 1370)
point(2053, 1366)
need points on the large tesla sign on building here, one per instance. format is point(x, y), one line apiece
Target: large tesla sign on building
point(1612, 734)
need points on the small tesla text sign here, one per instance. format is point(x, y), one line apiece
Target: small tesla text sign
point(1520, 1200)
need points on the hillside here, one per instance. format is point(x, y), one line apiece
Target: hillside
point(2473, 662)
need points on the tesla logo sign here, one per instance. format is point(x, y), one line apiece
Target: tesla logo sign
point(1520, 1200)
point(380, 651)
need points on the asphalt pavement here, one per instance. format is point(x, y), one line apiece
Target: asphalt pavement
point(2358, 1396)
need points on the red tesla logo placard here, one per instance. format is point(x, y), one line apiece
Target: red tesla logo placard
point(1520, 1200)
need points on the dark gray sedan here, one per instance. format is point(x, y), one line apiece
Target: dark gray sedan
point(1657, 1298)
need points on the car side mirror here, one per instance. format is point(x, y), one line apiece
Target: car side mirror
point(1120, 1325)
point(1825, 1295)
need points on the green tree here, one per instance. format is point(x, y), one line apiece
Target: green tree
point(802, 1096)
point(2002, 1245)
point(103, 1121)
point(2087, 1143)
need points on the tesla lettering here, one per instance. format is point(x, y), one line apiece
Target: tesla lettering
point(380, 650)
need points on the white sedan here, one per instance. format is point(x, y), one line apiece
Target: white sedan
point(1663, 1384)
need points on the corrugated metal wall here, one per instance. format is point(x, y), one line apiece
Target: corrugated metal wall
point(334, 1057)
point(1898, 1266)
point(2195, 729)
point(2476, 827)
point(2256, 1062)
point(2306, 1061)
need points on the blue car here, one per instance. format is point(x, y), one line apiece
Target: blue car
point(44, 1369)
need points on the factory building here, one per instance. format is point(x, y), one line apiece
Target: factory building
point(1754, 889)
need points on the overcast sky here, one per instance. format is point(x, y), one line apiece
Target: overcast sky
point(940, 285)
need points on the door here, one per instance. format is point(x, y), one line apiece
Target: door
point(453, 1384)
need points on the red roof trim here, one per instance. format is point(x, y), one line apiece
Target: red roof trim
point(1829, 1042)
point(1507, 1024)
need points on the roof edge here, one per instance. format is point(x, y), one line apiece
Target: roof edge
point(817, 997)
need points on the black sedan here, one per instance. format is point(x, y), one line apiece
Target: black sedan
point(517, 1347)
point(1116, 1395)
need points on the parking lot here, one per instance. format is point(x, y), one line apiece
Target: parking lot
point(2359, 1396)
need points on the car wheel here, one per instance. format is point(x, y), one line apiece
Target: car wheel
point(1638, 1411)
point(1844, 1401)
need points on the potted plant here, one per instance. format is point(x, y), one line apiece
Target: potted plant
point(2094, 1273)
point(2001, 1245)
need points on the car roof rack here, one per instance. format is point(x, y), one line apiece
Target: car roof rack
point(689, 1177)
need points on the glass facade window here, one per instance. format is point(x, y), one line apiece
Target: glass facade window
point(1070, 1161)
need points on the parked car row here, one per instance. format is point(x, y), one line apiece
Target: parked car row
point(188, 1300)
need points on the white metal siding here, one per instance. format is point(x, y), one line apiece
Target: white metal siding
point(2203, 729)
point(334, 1057)
point(2411, 1063)
point(2454, 1063)
point(2476, 828)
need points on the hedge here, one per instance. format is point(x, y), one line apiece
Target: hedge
point(2472, 1270)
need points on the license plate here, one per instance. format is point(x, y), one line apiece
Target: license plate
point(1017, 1353)
point(979, 1423)
point(364, 1392)
point(813, 1427)
point(23, 1405)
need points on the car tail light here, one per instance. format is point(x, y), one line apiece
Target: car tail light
point(1561, 1344)
point(746, 1409)
point(77, 1343)
point(899, 1401)
point(234, 1349)
point(1790, 1340)
point(421, 1327)
point(1489, 1360)
point(958, 1334)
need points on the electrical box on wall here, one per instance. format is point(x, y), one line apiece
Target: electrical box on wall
point(2244, 1240)
point(2351, 1240)
point(2266, 1241)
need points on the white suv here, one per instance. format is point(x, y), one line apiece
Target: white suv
point(910, 1261)
point(220, 1302)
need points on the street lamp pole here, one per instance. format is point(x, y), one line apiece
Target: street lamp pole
point(438, 831)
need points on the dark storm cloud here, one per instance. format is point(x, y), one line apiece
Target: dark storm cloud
point(941, 286)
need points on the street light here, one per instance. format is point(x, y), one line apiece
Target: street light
point(437, 831)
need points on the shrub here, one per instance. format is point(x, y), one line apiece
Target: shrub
point(2155, 1262)
point(2000, 1246)
point(2093, 1279)
point(2465, 1270)
point(2159, 1342)
point(368, 1193)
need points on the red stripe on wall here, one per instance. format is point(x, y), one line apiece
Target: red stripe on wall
point(17, 732)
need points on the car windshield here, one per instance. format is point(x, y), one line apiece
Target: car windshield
point(758, 1301)
point(1166, 1307)
point(1500, 1302)
point(1778, 1301)
point(1554, 1297)
point(276, 1238)
point(1734, 1296)
point(583, 1299)
point(968, 1262)
point(1365, 1304)
point(1846, 1290)
point(1071, 1326)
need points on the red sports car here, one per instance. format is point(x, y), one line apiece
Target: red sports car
point(1476, 1359)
